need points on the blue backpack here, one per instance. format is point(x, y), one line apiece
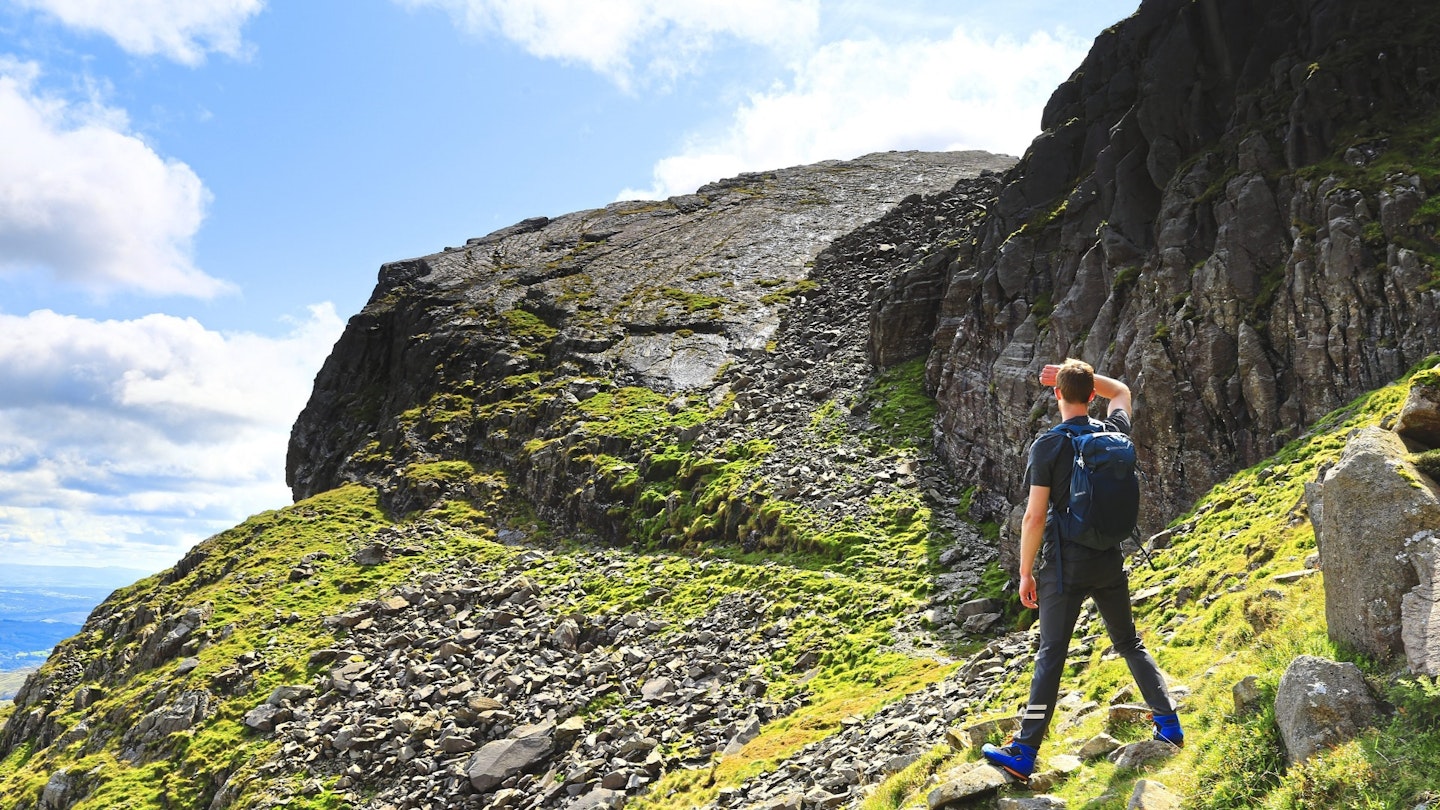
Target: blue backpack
point(1104, 503)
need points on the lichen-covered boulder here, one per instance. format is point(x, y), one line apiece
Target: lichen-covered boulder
point(1321, 703)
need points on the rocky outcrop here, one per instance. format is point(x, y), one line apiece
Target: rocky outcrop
point(1320, 704)
point(1169, 226)
point(475, 351)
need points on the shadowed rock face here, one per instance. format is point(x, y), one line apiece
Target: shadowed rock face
point(1170, 226)
point(654, 294)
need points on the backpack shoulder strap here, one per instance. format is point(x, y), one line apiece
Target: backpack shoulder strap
point(1075, 431)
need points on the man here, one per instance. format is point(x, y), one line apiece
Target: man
point(1085, 572)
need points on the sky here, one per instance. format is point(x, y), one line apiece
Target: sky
point(196, 194)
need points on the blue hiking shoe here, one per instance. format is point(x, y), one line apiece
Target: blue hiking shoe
point(1167, 729)
point(1016, 759)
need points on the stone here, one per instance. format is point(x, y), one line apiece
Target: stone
point(975, 607)
point(787, 801)
point(1249, 699)
point(372, 554)
point(978, 779)
point(501, 759)
point(984, 731)
point(980, 623)
point(1098, 746)
point(1041, 802)
point(658, 689)
point(1127, 714)
point(1420, 608)
point(1138, 754)
point(1419, 419)
point(1319, 704)
point(293, 693)
point(262, 717)
point(1373, 501)
point(747, 731)
point(600, 799)
point(1151, 795)
point(61, 791)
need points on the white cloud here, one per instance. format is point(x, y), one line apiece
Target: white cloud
point(124, 442)
point(182, 30)
point(666, 36)
point(84, 199)
point(854, 97)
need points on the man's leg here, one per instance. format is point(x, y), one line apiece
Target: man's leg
point(1113, 600)
point(1058, 612)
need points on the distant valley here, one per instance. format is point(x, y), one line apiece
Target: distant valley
point(40, 605)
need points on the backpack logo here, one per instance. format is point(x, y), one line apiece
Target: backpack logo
point(1104, 503)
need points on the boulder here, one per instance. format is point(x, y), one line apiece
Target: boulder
point(499, 760)
point(1419, 419)
point(1420, 608)
point(1372, 501)
point(1321, 703)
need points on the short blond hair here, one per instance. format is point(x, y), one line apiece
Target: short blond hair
point(1076, 381)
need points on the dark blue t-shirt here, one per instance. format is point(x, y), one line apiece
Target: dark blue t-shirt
point(1052, 456)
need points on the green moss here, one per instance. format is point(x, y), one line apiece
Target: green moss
point(900, 407)
point(780, 297)
point(692, 302)
point(1125, 278)
point(527, 325)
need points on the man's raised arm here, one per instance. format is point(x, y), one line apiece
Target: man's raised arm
point(1117, 392)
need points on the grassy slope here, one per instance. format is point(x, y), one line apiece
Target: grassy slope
point(1229, 548)
point(854, 579)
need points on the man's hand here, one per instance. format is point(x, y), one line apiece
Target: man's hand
point(1027, 591)
point(1047, 375)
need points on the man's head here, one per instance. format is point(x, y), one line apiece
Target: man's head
point(1075, 381)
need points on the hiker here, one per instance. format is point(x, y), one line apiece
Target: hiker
point(1057, 575)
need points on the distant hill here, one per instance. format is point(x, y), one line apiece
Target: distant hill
point(42, 604)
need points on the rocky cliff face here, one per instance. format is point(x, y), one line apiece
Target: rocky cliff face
point(1230, 206)
point(509, 351)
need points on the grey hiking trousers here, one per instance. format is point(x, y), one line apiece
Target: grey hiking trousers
point(1102, 578)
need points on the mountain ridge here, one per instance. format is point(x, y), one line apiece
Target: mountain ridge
point(727, 477)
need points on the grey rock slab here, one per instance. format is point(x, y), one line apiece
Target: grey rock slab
point(978, 779)
point(501, 759)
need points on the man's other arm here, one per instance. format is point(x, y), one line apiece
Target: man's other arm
point(1032, 531)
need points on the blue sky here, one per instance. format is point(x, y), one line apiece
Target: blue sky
point(195, 194)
